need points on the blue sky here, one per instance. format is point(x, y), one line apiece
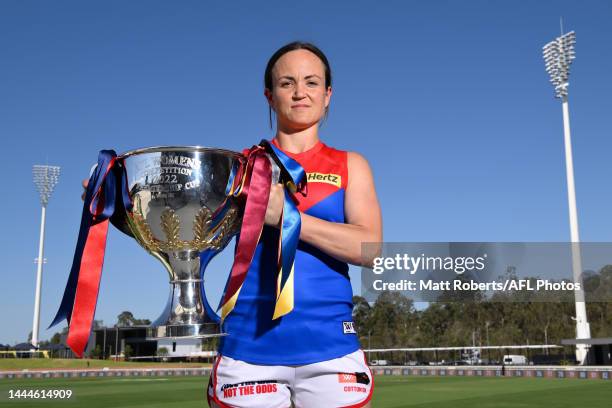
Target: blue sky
point(448, 100)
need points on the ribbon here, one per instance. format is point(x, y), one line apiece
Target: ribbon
point(252, 182)
point(294, 180)
point(251, 179)
point(106, 193)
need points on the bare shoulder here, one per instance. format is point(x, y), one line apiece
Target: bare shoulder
point(356, 160)
point(358, 168)
point(361, 205)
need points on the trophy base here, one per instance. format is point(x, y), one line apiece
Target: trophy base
point(195, 331)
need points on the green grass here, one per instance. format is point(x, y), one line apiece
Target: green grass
point(484, 392)
point(70, 363)
point(390, 392)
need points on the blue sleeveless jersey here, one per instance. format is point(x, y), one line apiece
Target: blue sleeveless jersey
point(320, 326)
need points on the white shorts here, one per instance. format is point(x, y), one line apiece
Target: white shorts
point(341, 382)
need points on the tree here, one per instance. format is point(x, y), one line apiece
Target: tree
point(361, 315)
point(56, 338)
point(125, 319)
point(128, 351)
point(96, 352)
point(210, 344)
point(141, 322)
point(392, 318)
point(434, 323)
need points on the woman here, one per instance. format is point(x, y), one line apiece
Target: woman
point(309, 357)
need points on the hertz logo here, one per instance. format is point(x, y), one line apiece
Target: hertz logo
point(333, 179)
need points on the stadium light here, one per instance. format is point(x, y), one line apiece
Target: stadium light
point(558, 56)
point(45, 179)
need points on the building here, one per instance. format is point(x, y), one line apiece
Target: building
point(111, 342)
point(181, 347)
point(600, 350)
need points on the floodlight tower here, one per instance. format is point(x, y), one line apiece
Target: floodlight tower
point(45, 179)
point(558, 56)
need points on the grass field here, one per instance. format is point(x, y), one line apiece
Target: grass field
point(390, 392)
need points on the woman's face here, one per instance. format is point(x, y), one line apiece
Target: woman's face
point(299, 96)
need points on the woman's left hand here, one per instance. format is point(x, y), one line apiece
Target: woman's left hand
point(275, 205)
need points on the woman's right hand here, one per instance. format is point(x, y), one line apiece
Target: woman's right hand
point(84, 184)
point(276, 201)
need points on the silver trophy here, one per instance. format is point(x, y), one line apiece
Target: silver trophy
point(183, 217)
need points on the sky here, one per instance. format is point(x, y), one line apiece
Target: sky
point(448, 100)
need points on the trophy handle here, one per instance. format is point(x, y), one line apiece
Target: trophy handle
point(205, 257)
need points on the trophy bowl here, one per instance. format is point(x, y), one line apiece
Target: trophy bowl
point(182, 216)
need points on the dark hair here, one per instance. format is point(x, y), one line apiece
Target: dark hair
point(296, 45)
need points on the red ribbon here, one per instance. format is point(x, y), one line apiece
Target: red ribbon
point(254, 175)
point(92, 260)
point(87, 288)
point(106, 193)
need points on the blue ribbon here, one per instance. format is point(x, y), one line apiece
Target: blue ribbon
point(205, 257)
point(208, 254)
point(101, 202)
point(291, 170)
point(294, 178)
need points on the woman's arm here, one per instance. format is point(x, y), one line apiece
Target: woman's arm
point(362, 214)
